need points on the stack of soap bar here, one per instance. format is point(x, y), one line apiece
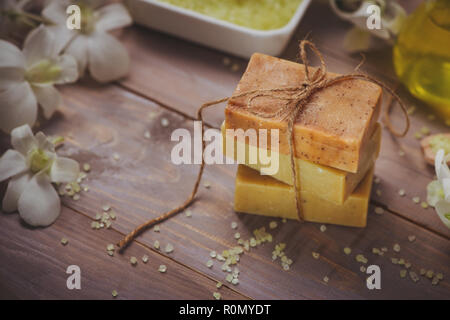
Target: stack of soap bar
point(336, 142)
point(267, 196)
point(332, 129)
point(331, 184)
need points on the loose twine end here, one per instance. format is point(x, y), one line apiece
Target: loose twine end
point(295, 98)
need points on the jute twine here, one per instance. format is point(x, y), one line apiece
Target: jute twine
point(294, 98)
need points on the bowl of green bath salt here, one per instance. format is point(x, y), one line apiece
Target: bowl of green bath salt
point(240, 27)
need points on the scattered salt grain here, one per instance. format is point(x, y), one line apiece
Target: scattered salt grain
point(162, 268)
point(168, 248)
point(164, 122)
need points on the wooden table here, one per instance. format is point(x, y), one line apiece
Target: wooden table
point(170, 78)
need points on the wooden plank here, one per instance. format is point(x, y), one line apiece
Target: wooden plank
point(143, 183)
point(35, 262)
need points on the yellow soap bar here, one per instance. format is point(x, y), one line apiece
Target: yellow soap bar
point(312, 177)
point(263, 195)
point(332, 128)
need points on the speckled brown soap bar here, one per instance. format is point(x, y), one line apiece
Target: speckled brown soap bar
point(334, 127)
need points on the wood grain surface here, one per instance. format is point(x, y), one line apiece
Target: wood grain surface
point(170, 78)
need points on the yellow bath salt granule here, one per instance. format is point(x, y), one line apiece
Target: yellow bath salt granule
point(440, 141)
point(260, 15)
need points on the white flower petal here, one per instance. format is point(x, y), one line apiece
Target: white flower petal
point(44, 143)
point(78, 49)
point(443, 211)
point(108, 59)
point(49, 99)
point(39, 44)
point(15, 188)
point(112, 16)
point(39, 204)
point(435, 192)
point(446, 187)
point(440, 165)
point(18, 106)
point(56, 12)
point(64, 170)
point(69, 69)
point(12, 163)
point(61, 36)
point(23, 140)
point(11, 56)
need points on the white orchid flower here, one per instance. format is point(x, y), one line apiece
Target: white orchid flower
point(32, 167)
point(27, 78)
point(92, 46)
point(438, 191)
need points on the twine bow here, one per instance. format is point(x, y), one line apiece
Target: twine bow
point(295, 98)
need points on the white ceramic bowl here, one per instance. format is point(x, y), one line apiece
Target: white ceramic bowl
point(213, 32)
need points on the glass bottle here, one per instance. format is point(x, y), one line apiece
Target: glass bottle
point(422, 55)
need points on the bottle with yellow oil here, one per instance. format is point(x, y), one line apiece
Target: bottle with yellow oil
point(422, 55)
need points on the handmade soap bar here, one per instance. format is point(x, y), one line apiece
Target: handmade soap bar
point(312, 177)
point(266, 196)
point(332, 129)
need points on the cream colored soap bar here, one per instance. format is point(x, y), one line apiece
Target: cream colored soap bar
point(266, 196)
point(332, 129)
point(328, 183)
